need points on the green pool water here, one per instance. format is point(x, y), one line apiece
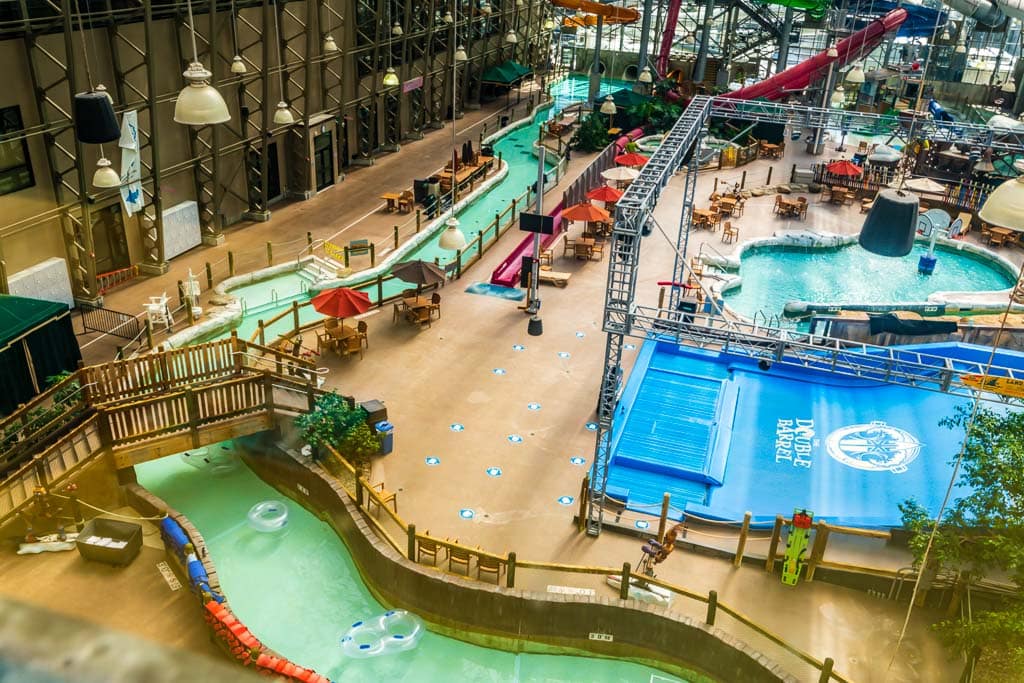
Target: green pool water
point(773, 277)
point(298, 591)
point(515, 149)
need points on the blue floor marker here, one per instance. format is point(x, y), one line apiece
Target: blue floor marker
point(565, 500)
point(580, 335)
point(533, 406)
point(591, 426)
point(518, 347)
point(456, 427)
point(642, 524)
point(575, 460)
point(499, 371)
point(493, 471)
point(629, 347)
point(564, 354)
point(467, 513)
point(515, 438)
point(432, 460)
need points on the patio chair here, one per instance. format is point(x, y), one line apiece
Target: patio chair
point(428, 548)
point(325, 341)
point(406, 201)
point(567, 246)
point(986, 231)
point(361, 328)
point(385, 498)
point(399, 311)
point(777, 207)
point(331, 324)
point(351, 345)
point(598, 250)
point(826, 194)
point(489, 565)
point(729, 233)
point(435, 305)
point(996, 240)
point(803, 207)
point(460, 557)
point(419, 315)
point(737, 208)
point(158, 310)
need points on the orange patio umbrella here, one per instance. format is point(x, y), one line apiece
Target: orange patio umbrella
point(341, 302)
point(605, 193)
point(632, 159)
point(585, 211)
point(846, 168)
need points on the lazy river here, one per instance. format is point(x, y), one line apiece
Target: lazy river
point(299, 592)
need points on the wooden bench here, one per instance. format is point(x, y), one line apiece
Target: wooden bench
point(554, 277)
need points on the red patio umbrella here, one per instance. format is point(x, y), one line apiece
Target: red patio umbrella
point(847, 168)
point(605, 193)
point(632, 159)
point(585, 211)
point(341, 302)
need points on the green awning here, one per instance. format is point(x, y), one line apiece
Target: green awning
point(20, 314)
point(624, 98)
point(507, 73)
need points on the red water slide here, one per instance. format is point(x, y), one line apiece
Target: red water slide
point(816, 68)
point(671, 18)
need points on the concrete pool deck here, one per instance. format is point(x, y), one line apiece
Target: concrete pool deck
point(441, 375)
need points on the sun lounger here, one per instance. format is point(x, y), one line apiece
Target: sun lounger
point(554, 277)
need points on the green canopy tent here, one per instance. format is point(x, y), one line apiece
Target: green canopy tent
point(624, 99)
point(36, 341)
point(506, 76)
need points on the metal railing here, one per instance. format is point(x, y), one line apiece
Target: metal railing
point(109, 321)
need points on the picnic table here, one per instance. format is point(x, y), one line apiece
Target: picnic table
point(392, 199)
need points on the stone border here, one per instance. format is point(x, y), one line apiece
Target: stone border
point(954, 301)
point(497, 617)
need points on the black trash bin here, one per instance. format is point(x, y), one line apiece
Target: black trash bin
point(504, 121)
point(386, 432)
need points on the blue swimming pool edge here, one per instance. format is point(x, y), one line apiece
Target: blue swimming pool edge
point(494, 616)
point(938, 303)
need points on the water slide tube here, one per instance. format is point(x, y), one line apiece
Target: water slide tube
point(798, 77)
point(671, 17)
point(610, 13)
point(988, 12)
point(938, 112)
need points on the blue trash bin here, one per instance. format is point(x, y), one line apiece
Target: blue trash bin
point(386, 431)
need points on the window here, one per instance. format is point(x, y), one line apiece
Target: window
point(15, 165)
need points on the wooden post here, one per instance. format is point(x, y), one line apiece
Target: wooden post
point(359, 491)
point(295, 315)
point(373, 255)
point(743, 180)
point(209, 275)
point(663, 522)
point(411, 545)
point(742, 544)
point(120, 353)
point(792, 174)
point(419, 220)
point(270, 254)
point(268, 391)
point(510, 570)
point(380, 290)
point(231, 264)
point(396, 237)
point(826, 670)
point(773, 545)
point(192, 411)
point(345, 259)
point(310, 395)
point(480, 244)
point(818, 549)
point(716, 185)
point(149, 332)
point(624, 586)
point(309, 238)
point(661, 298)
point(709, 619)
point(458, 264)
point(189, 315)
point(236, 348)
point(181, 293)
point(769, 181)
point(263, 333)
point(513, 208)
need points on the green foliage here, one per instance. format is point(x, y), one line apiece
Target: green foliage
point(656, 116)
point(63, 408)
point(330, 421)
point(359, 445)
point(592, 133)
point(982, 532)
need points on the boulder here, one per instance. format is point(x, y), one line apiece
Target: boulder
point(783, 189)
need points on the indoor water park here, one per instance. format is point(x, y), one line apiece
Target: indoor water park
point(738, 399)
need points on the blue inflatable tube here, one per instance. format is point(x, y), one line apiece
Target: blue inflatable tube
point(173, 532)
point(197, 573)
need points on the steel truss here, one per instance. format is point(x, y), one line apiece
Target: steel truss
point(679, 151)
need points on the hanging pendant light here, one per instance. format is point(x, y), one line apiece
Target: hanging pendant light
point(549, 24)
point(105, 175)
point(460, 54)
point(891, 224)
point(237, 65)
point(452, 238)
point(855, 75)
point(645, 75)
point(396, 29)
point(329, 44)
point(838, 97)
point(95, 120)
point(1008, 86)
point(199, 103)
point(960, 49)
point(1002, 207)
point(520, 3)
point(283, 115)
point(832, 52)
point(390, 77)
point(511, 38)
point(946, 36)
point(448, 19)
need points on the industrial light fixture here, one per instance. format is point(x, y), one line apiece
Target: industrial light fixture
point(396, 29)
point(448, 19)
point(452, 238)
point(549, 24)
point(608, 106)
point(1008, 86)
point(199, 103)
point(329, 44)
point(960, 49)
point(945, 35)
point(645, 75)
point(390, 77)
point(891, 224)
point(832, 52)
point(460, 54)
point(282, 115)
point(855, 75)
point(511, 38)
point(237, 64)
point(105, 176)
point(838, 97)
point(1002, 208)
point(520, 3)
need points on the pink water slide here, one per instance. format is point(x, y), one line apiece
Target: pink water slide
point(798, 77)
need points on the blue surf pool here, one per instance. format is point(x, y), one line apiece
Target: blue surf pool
point(298, 591)
point(723, 436)
point(775, 276)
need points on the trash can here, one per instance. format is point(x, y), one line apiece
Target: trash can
point(504, 121)
point(386, 432)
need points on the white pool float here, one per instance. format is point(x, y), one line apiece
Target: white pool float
point(394, 631)
point(268, 516)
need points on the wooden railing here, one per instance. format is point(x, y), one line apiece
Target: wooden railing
point(40, 420)
point(406, 540)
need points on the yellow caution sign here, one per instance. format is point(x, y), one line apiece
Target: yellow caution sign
point(1006, 386)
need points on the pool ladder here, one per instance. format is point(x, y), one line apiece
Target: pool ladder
point(767, 321)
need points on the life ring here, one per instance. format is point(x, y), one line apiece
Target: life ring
point(394, 631)
point(268, 516)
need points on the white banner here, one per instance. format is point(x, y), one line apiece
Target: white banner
point(131, 188)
